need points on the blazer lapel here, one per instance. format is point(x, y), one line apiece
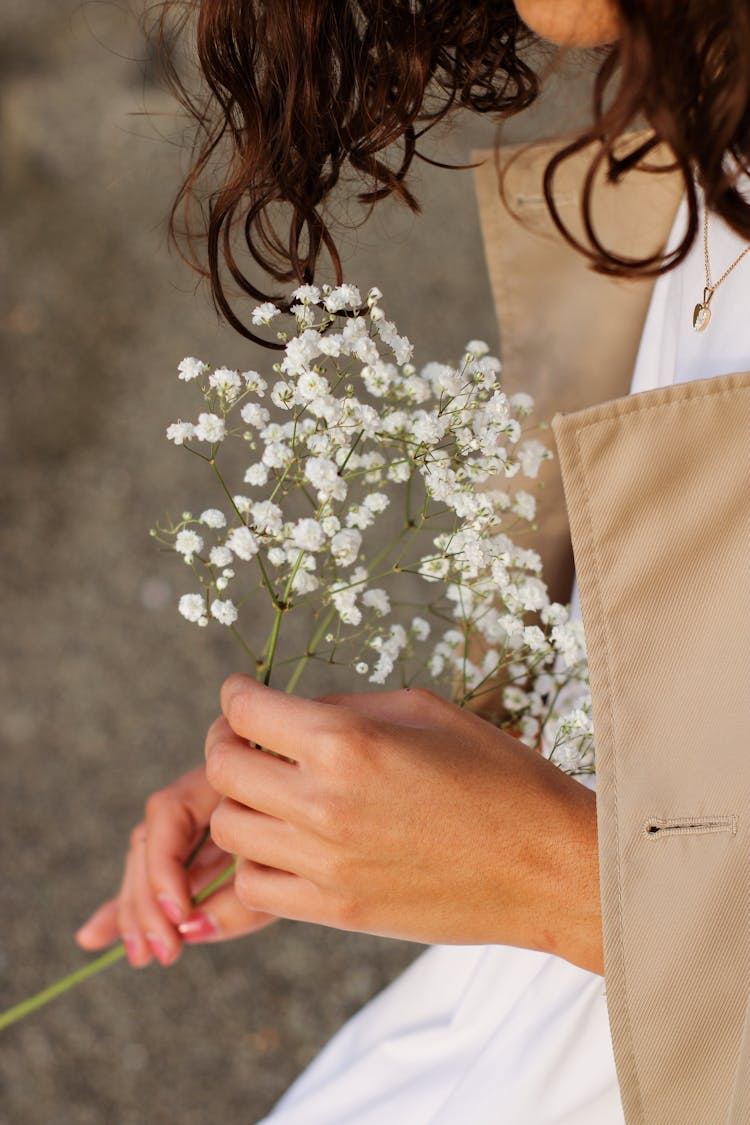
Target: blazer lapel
point(569, 336)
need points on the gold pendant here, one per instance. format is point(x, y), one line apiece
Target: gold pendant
point(701, 312)
point(701, 317)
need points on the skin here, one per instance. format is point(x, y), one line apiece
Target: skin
point(502, 850)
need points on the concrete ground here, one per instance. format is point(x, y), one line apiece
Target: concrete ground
point(106, 692)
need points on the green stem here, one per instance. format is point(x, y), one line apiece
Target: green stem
point(272, 642)
point(26, 1007)
point(302, 663)
point(116, 953)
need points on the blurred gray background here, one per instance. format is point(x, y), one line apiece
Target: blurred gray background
point(105, 692)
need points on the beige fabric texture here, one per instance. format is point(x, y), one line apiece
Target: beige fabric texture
point(569, 336)
point(657, 488)
point(658, 496)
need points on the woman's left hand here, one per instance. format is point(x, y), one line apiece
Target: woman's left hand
point(403, 815)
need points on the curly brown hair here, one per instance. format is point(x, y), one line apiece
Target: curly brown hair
point(300, 91)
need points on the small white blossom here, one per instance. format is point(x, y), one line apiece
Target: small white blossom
point(276, 455)
point(256, 474)
point(180, 432)
point(242, 543)
point(308, 535)
point(226, 381)
point(308, 294)
point(277, 556)
point(524, 505)
point(254, 382)
point(343, 297)
point(361, 668)
point(220, 556)
point(420, 628)
point(264, 313)
point(345, 546)
point(477, 348)
point(252, 414)
point(188, 543)
point(213, 517)
point(192, 606)
point(514, 699)
point(282, 395)
point(191, 368)
point(376, 502)
point(345, 602)
point(225, 612)
point(522, 403)
point(378, 600)
point(210, 428)
point(267, 518)
point(304, 583)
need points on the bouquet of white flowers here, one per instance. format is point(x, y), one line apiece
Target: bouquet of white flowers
point(359, 475)
point(358, 470)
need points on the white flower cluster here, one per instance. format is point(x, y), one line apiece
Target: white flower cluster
point(346, 434)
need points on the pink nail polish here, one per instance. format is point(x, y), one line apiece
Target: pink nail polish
point(198, 927)
point(159, 949)
point(171, 910)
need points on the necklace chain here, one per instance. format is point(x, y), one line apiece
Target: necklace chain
point(702, 313)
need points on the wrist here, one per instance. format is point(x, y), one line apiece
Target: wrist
point(578, 934)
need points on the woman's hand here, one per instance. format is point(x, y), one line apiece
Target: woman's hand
point(153, 913)
point(402, 815)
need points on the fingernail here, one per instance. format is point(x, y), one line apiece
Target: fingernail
point(131, 948)
point(173, 912)
point(198, 927)
point(159, 949)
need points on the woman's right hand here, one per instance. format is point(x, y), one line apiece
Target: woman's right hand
point(153, 912)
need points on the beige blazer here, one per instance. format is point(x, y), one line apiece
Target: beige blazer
point(657, 506)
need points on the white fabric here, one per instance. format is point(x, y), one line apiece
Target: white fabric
point(492, 1035)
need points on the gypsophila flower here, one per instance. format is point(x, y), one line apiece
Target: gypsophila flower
point(477, 348)
point(226, 382)
point(345, 546)
point(180, 432)
point(213, 517)
point(220, 556)
point(253, 414)
point(192, 606)
point(256, 474)
point(242, 543)
point(420, 628)
point(188, 543)
point(225, 612)
point(210, 428)
point(350, 430)
point(191, 368)
point(308, 535)
point(378, 600)
point(343, 297)
point(263, 314)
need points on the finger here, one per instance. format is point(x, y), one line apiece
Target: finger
point(176, 817)
point(101, 928)
point(283, 723)
point(222, 917)
point(254, 778)
point(261, 838)
point(277, 892)
point(139, 953)
point(407, 707)
point(160, 935)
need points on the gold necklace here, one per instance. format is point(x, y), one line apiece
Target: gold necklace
point(702, 312)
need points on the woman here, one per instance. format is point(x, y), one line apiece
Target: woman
point(507, 852)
